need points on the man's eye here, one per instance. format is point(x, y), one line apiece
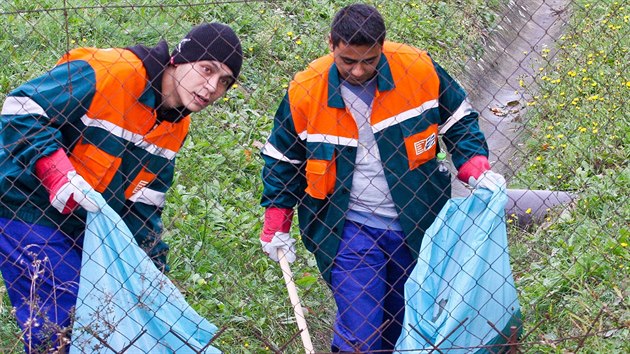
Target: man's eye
point(206, 70)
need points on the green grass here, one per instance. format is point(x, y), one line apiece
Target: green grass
point(566, 270)
point(573, 271)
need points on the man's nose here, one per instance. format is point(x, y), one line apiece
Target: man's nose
point(358, 70)
point(212, 84)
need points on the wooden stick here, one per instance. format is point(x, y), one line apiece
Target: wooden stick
point(295, 302)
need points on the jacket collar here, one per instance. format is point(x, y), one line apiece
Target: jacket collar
point(155, 60)
point(384, 82)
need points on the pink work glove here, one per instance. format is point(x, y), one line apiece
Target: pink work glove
point(476, 172)
point(275, 233)
point(66, 188)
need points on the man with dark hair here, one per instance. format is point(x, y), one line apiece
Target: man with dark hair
point(110, 120)
point(354, 146)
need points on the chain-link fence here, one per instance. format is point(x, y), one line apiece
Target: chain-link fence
point(548, 77)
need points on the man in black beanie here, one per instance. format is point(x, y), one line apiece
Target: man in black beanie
point(209, 54)
point(102, 120)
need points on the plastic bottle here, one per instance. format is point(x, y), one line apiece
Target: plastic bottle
point(442, 163)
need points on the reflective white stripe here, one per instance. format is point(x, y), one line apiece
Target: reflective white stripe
point(272, 152)
point(149, 197)
point(22, 105)
point(156, 150)
point(463, 110)
point(401, 117)
point(331, 139)
point(136, 139)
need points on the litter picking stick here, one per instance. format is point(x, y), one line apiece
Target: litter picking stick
point(295, 302)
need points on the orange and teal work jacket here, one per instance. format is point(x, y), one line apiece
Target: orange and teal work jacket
point(102, 107)
point(311, 152)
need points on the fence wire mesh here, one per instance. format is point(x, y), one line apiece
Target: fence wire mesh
point(549, 79)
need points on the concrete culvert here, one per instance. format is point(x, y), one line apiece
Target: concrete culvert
point(512, 53)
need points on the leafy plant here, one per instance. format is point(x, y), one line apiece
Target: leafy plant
point(573, 271)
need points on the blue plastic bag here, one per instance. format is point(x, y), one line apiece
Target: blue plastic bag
point(126, 301)
point(462, 285)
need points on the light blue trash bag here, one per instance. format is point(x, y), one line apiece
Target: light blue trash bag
point(123, 297)
point(462, 285)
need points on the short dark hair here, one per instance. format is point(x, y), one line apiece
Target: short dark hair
point(358, 24)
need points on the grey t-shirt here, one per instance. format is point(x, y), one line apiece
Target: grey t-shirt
point(370, 198)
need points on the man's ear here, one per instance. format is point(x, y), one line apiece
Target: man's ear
point(330, 43)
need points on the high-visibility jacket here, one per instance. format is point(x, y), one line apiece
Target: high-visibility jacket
point(102, 107)
point(310, 154)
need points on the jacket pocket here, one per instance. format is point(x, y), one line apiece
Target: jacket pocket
point(320, 177)
point(321, 169)
point(422, 147)
point(95, 165)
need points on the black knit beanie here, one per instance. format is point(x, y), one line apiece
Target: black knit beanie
point(210, 41)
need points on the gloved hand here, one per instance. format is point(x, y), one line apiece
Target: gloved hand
point(66, 188)
point(281, 240)
point(489, 180)
point(275, 233)
point(73, 192)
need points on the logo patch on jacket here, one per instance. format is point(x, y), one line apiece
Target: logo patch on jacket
point(424, 144)
point(421, 147)
point(140, 185)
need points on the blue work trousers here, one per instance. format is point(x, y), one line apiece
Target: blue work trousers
point(367, 280)
point(41, 267)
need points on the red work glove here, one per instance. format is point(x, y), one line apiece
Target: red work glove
point(66, 188)
point(275, 233)
point(476, 172)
